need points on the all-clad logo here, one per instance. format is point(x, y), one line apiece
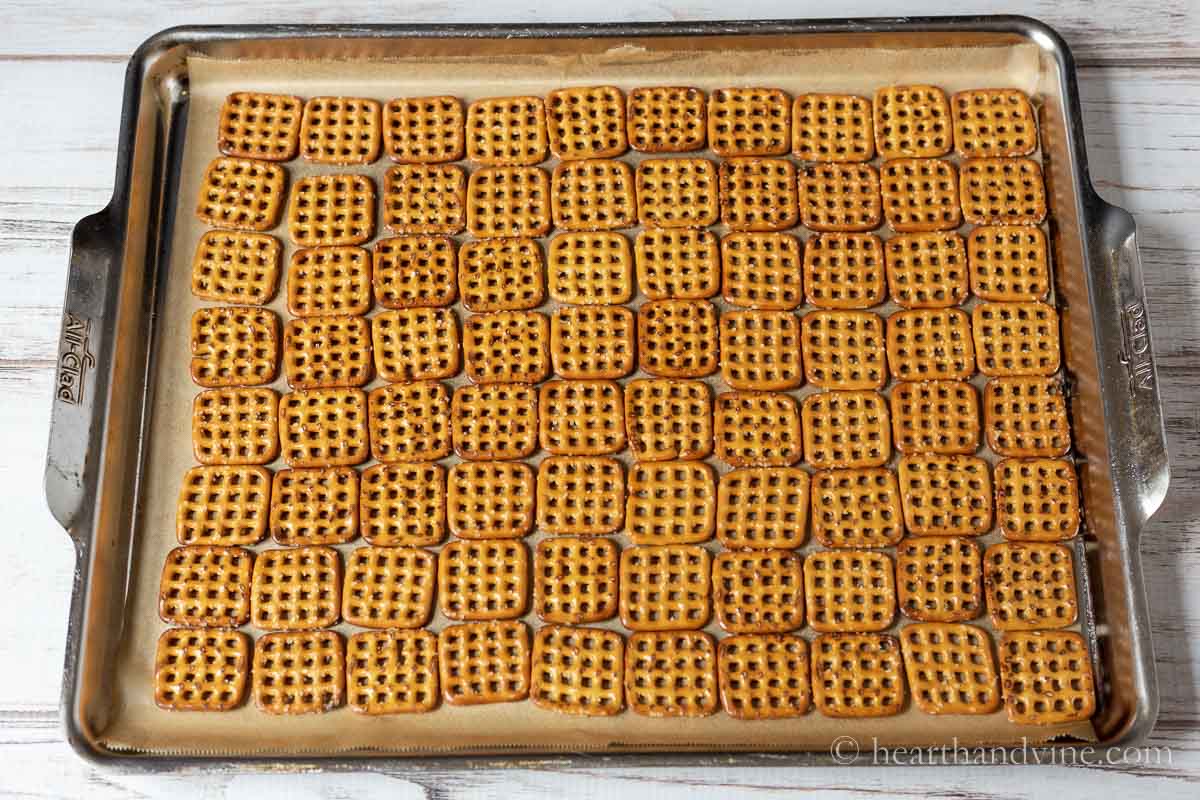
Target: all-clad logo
point(1137, 346)
point(74, 358)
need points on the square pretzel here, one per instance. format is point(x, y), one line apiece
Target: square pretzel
point(749, 122)
point(314, 506)
point(389, 587)
point(485, 579)
point(935, 417)
point(507, 131)
point(840, 198)
point(403, 504)
point(926, 270)
point(677, 193)
point(760, 350)
point(844, 270)
point(1037, 499)
point(260, 125)
point(1026, 417)
point(296, 589)
point(507, 347)
point(578, 671)
point(234, 346)
point(415, 271)
point(392, 672)
point(845, 429)
point(666, 119)
point(939, 578)
point(677, 263)
point(416, 344)
point(1016, 338)
point(580, 495)
point(1046, 677)
point(677, 338)
point(501, 275)
point(409, 422)
point(299, 673)
point(671, 503)
point(341, 130)
point(920, 195)
point(201, 670)
point(508, 201)
point(575, 579)
point(324, 427)
point(764, 676)
point(425, 198)
point(581, 418)
point(856, 508)
point(233, 267)
point(665, 587)
point(423, 130)
point(832, 127)
point(1002, 190)
point(223, 505)
point(912, 121)
point(595, 194)
point(324, 352)
point(1009, 263)
point(484, 662)
point(930, 344)
point(758, 591)
point(241, 193)
point(206, 586)
point(757, 429)
point(761, 271)
point(857, 675)
point(946, 495)
point(330, 210)
point(950, 668)
point(586, 122)
point(235, 426)
point(494, 421)
point(490, 499)
point(668, 420)
point(329, 280)
point(758, 194)
point(590, 268)
point(592, 342)
point(1030, 585)
point(844, 349)
point(993, 122)
point(849, 590)
point(671, 674)
point(762, 507)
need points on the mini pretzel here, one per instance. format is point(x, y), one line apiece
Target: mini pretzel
point(1026, 417)
point(580, 495)
point(1046, 677)
point(494, 421)
point(930, 343)
point(416, 344)
point(508, 201)
point(425, 198)
point(314, 506)
point(1016, 338)
point(950, 668)
point(912, 121)
point(764, 676)
point(578, 671)
point(666, 119)
point(403, 504)
point(665, 587)
point(926, 270)
point(206, 586)
point(671, 503)
point(844, 270)
point(935, 417)
point(486, 579)
point(234, 346)
point(840, 197)
point(575, 579)
point(586, 122)
point(757, 429)
point(590, 268)
point(946, 494)
point(490, 499)
point(1030, 585)
point(676, 263)
point(939, 578)
point(1002, 190)
point(332, 210)
point(856, 507)
point(1037, 499)
point(857, 675)
point(299, 673)
point(507, 131)
point(232, 267)
point(761, 271)
point(847, 429)
point(762, 507)
point(340, 130)
point(749, 122)
point(423, 130)
point(201, 670)
point(484, 662)
point(501, 275)
point(844, 349)
point(507, 347)
point(849, 590)
point(758, 591)
point(672, 674)
point(581, 418)
point(389, 587)
point(920, 194)
point(324, 427)
point(324, 352)
point(678, 338)
point(392, 672)
point(329, 280)
point(1009, 263)
point(258, 125)
point(409, 422)
point(668, 420)
point(832, 127)
point(594, 194)
point(296, 589)
point(758, 194)
point(241, 193)
point(223, 505)
point(235, 426)
point(993, 122)
point(592, 342)
point(414, 271)
point(677, 192)
point(760, 350)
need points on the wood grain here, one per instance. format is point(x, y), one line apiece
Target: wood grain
point(61, 69)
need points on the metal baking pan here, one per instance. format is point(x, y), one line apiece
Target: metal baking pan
point(113, 311)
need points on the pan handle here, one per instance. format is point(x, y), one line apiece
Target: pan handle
point(1137, 437)
point(83, 367)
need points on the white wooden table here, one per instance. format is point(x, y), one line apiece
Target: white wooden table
point(61, 69)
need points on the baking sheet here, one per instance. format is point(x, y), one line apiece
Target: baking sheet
point(134, 723)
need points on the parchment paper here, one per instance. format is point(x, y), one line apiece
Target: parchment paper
point(136, 724)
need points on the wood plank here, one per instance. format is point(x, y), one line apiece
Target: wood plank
point(1141, 125)
point(1119, 32)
